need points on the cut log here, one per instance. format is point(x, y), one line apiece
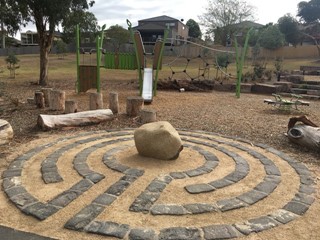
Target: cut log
point(71, 106)
point(114, 102)
point(6, 132)
point(47, 122)
point(134, 106)
point(46, 94)
point(96, 101)
point(39, 99)
point(57, 100)
point(148, 115)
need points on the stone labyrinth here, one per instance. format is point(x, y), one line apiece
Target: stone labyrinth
point(219, 187)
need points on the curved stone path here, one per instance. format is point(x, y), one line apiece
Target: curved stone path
point(200, 182)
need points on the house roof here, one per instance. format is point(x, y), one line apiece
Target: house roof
point(162, 18)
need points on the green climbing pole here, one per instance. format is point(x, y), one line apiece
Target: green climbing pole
point(240, 61)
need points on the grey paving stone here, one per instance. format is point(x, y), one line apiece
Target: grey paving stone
point(168, 209)
point(236, 176)
point(108, 229)
point(156, 186)
point(215, 232)
point(256, 225)
point(11, 192)
point(272, 170)
point(64, 198)
point(252, 196)
point(95, 177)
point(40, 210)
point(105, 199)
point(9, 173)
point(23, 200)
point(230, 204)
point(134, 172)
point(266, 187)
point(117, 167)
point(178, 175)
point(199, 188)
point(16, 164)
point(84, 217)
point(283, 216)
point(180, 233)
point(304, 198)
point(296, 207)
point(144, 202)
point(221, 183)
point(307, 189)
point(142, 234)
point(198, 208)
point(307, 180)
point(82, 186)
point(118, 188)
point(164, 178)
point(11, 182)
point(51, 177)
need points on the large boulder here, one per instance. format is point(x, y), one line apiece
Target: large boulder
point(6, 132)
point(158, 140)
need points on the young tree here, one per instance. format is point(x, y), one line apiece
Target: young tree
point(46, 15)
point(271, 38)
point(194, 29)
point(220, 15)
point(290, 29)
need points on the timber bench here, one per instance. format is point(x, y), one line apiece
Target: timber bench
point(310, 69)
point(286, 104)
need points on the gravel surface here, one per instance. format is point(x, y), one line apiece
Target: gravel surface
point(219, 112)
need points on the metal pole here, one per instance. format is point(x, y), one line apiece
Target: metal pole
point(78, 58)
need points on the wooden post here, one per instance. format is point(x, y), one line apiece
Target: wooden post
point(57, 100)
point(46, 94)
point(71, 106)
point(96, 101)
point(148, 115)
point(134, 106)
point(114, 102)
point(39, 99)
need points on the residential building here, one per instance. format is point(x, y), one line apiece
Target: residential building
point(153, 28)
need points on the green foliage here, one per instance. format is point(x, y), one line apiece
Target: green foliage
point(309, 12)
point(88, 24)
point(258, 70)
point(12, 61)
point(223, 60)
point(117, 36)
point(194, 29)
point(271, 38)
point(255, 52)
point(278, 64)
point(290, 28)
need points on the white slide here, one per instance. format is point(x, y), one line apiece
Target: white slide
point(147, 85)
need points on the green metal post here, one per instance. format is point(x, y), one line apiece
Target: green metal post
point(240, 61)
point(78, 58)
point(166, 32)
point(98, 61)
point(137, 57)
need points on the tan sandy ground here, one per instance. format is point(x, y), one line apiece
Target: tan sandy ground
point(217, 112)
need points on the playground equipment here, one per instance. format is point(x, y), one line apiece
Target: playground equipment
point(88, 75)
point(286, 104)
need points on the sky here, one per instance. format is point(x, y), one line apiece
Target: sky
point(117, 11)
point(113, 12)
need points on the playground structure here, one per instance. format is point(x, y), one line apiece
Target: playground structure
point(88, 75)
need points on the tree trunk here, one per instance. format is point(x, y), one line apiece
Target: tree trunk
point(134, 106)
point(71, 106)
point(46, 122)
point(3, 35)
point(44, 65)
point(46, 94)
point(96, 101)
point(57, 100)
point(114, 102)
point(39, 99)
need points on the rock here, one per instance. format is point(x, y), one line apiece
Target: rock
point(158, 140)
point(6, 132)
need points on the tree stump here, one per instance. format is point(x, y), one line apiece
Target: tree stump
point(148, 115)
point(134, 106)
point(46, 94)
point(57, 100)
point(96, 101)
point(114, 102)
point(39, 99)
point(6, 132)
point(71, 106)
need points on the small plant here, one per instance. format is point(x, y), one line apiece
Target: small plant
point(278, 67)
point(12, 62)
point(258, 70)
point(61, 47)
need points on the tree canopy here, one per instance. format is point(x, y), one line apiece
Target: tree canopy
point(117, 35)
point(194, 29)
point(46, 15)
point(220, 15)
point(309, 12)
point(289, 26)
